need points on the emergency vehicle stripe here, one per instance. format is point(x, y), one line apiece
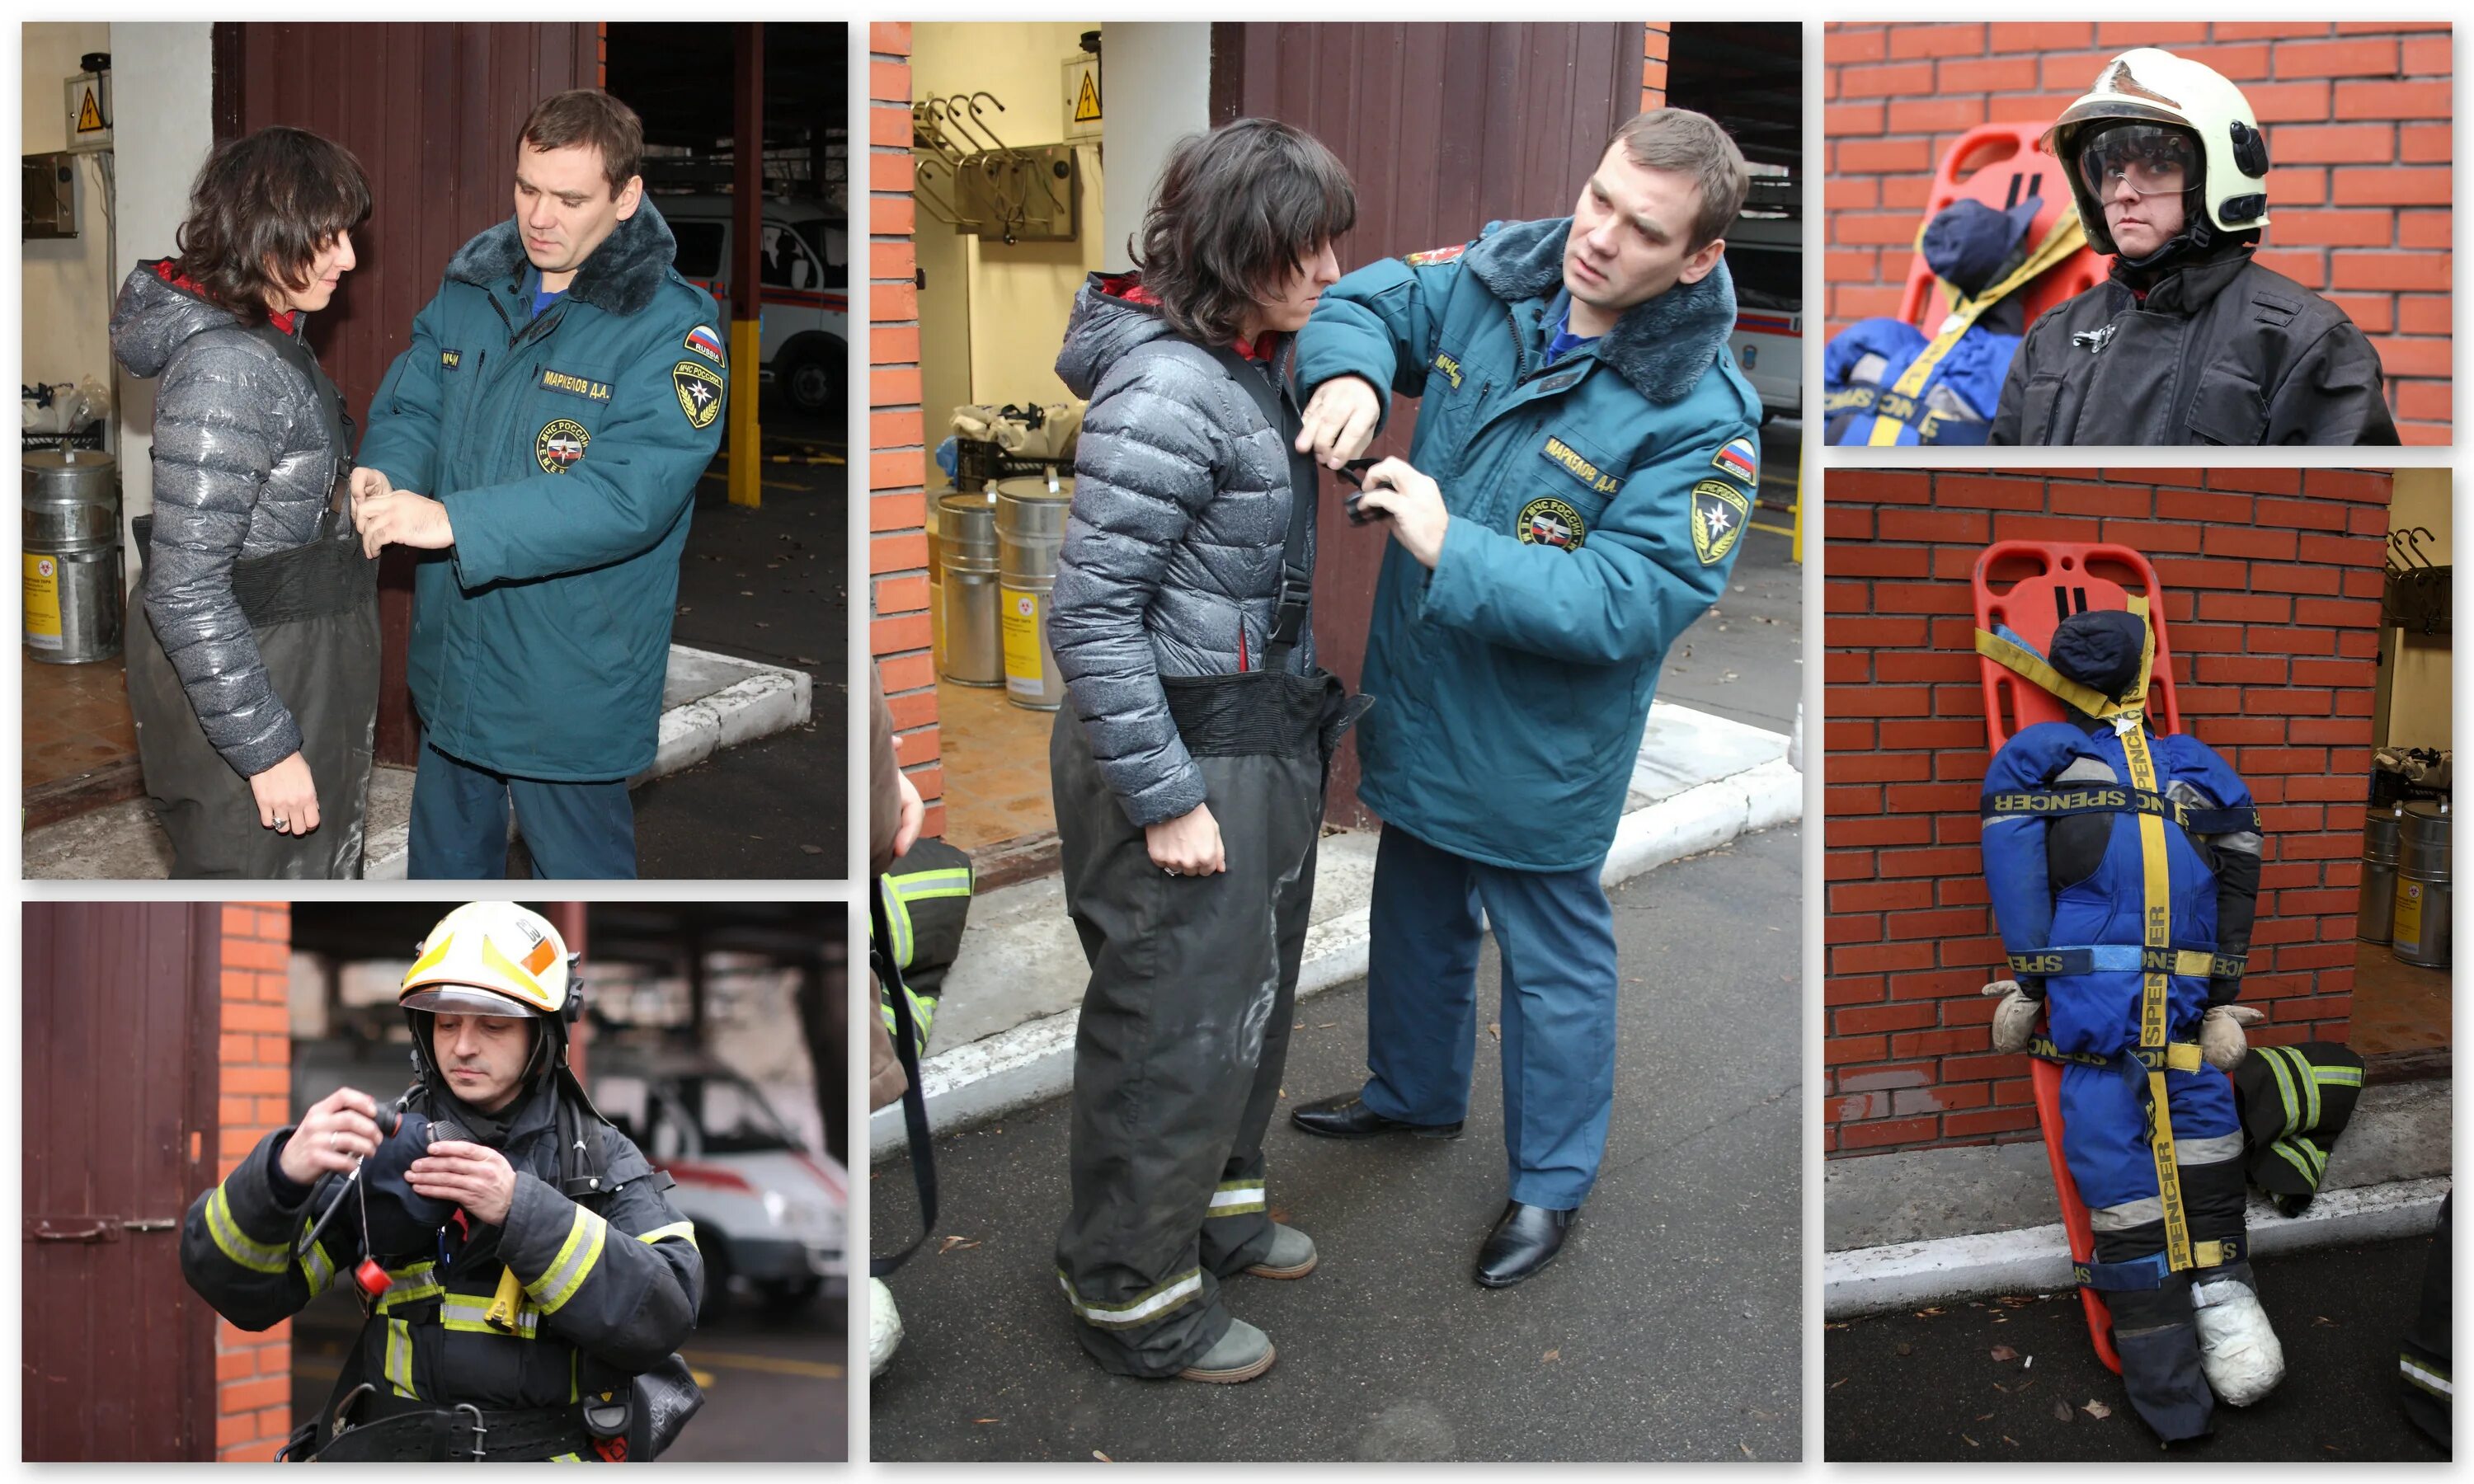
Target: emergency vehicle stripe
point(573, 1264)
point(398, 1357)
point(1237, 1198)
point(237, 1245)
point(679, 1228)
point(2423, 1374)
point(470, 1313)
point(1137, 1310)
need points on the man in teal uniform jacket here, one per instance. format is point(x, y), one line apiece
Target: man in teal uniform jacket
point(559, 400)
point(1582, 472)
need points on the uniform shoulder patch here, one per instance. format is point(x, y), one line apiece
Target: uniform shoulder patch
point(1742, 459)
point(699, 387)
point(1719, 513)
point(1547, 521)
point(559, 445)
point(1433, 255)
point(705, 341)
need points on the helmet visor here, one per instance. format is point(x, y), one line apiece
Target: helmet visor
point(465, 1000)
point(2149, 158)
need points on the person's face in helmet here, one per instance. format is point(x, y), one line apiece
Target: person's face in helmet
point(1631, 240)
point(482, 1057)
point(2141, 174)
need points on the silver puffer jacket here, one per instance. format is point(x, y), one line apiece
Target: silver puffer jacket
point(244, 461)
point(1172, 556)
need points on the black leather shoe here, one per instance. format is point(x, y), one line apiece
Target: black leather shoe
point(1346, 1117)
point(1525, 1238)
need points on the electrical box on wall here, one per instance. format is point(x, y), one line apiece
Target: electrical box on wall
point(1083, 100)
point(89, 112)
point(49, 206)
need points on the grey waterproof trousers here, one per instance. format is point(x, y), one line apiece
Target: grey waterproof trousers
point(314, 612)
point(1185, 1025)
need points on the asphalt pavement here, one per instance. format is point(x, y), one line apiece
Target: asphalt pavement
point(775, 1380)
point(769, 584)
point(1927, 1385)
point(1670, 1327)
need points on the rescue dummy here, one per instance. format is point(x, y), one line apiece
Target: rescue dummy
point(2123, 869)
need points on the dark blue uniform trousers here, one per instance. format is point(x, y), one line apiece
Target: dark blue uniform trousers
point(574, 832)
point(1555, 934)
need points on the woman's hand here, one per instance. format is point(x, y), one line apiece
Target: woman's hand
point(1188, 845)
point(338, 1129)
point(1416, 505)
point(1338, 419)
point(287, 797)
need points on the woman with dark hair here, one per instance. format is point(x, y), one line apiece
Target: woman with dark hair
point(1189, 763)
point(253, 673)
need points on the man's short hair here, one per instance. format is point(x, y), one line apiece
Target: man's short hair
point(1235, 211)
point(1682, 142)
point(589, 116)
point(261, 210)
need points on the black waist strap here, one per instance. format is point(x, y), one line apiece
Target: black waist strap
point(396, 1430)
point(1260, 711)
point(324, 578)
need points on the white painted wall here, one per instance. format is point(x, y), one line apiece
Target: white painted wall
point(163, 84)
point(68, 282)
point(1018, 296)
point(1159, 79)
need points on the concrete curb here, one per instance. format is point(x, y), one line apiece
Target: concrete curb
point(2037, 1259)
point(983, 1080)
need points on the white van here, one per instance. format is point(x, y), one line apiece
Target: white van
point(1765, 257)
point(804, 329)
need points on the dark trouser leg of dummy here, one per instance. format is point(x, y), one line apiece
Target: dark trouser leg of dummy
point(2160, 1356)
point(2105, 1142)
point(327, 671)
point(2423, 1363)
point(1176, 1059)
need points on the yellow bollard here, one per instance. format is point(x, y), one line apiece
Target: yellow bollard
point(746, 440)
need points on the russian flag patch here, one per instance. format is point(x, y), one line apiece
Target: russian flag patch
point(705, 342)
point(1740, 459)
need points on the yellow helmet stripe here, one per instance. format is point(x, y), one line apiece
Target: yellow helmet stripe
point(431, 958)
point(519, 977)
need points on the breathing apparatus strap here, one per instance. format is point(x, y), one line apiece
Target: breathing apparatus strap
point(2157, 960)
point(1898, 408)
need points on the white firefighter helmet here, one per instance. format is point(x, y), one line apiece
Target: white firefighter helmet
point(2152, 87)
point(491, 958)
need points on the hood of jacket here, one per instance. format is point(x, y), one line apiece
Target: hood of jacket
point(620, 277)
point(153, 318)
point(1661, 346)
point(1103, 326)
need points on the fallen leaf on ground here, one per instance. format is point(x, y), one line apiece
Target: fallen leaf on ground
point(2330, 1323)
point(1841, 1381)
point(1970, 1442)
point(1102, 1457)
point(954, 1244)
point(1552, 1354)
point(1934, 1313)
point(2004, 1352)
point(2097, 1409)
point(1495, 1029)
point(2061, 1410)
point(1747, 1448)
point(1905, 1348)
point(983, 1421)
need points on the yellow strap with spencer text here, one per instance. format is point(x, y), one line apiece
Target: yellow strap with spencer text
point(2157, 889)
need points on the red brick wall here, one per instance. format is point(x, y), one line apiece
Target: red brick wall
point(897, 461)
point(1653, 67)
point(254, 1371)
point(2356, 117)
point(2272, 605)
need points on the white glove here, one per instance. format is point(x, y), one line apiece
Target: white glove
point(2014, 1020)
point(2222, 1042)
point(2238, 1350)
point(884, 1328)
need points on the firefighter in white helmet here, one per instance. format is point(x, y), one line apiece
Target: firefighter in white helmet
point(526, 1281)
point(2190, 341)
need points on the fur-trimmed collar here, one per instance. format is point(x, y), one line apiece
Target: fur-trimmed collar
point(1661, 346)
point(621, 277)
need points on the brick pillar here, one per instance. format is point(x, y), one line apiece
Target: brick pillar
point(254, 1098)
point(1653, 66)
point(897, 466)
point(2273, 584)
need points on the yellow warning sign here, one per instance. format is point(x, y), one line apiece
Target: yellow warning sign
point(1086, 103)
point(43, 602)
point(90, 119)
point(1026, 657)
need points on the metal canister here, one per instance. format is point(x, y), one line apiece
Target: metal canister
point(1031, 533)
point(2375, 918)
point(73, 558)
point(965, 600)
point(2422, 887)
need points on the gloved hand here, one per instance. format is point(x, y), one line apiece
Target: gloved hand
point(2222, 1042)
point(2014, 1020)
